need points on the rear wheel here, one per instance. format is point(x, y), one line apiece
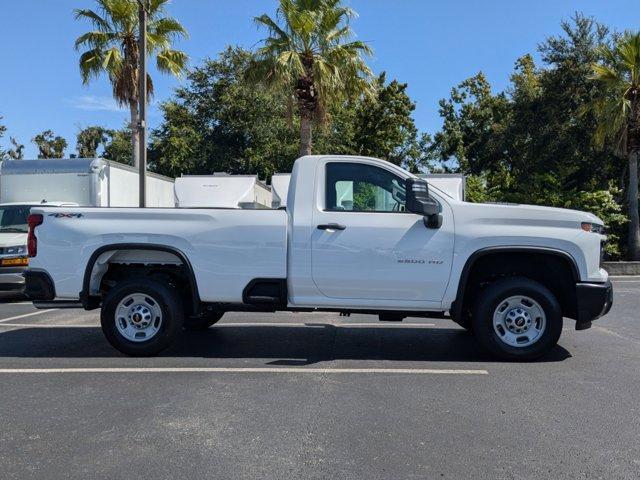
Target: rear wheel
point(141, 317)
point(517, 319)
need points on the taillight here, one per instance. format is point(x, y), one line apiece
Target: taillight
point(33, 220)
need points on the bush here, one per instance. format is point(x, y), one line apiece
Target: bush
point(603, 204)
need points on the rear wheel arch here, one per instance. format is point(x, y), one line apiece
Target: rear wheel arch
point(556, 269)
point(95, 272)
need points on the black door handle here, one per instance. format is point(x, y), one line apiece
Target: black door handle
point(331, 226)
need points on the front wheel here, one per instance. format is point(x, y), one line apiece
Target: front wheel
point(517, 319)
point(141, 317)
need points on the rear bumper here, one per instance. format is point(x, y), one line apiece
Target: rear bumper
point(593, 301)
point(38, 285)
point(11, 279)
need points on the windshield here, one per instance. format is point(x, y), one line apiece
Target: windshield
point(14, 218)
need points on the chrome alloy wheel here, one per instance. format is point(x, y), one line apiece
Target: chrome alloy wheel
point(519, 321)
point(138, 317)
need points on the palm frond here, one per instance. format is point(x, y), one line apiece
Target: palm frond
point(95, 39)
point(617, 109)
point(112, 60)
point(90, 64)
point(172, 61)
point(274, 28)
point(167, 27)
point(99, 22)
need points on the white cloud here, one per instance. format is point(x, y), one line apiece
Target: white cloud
point(93, 102)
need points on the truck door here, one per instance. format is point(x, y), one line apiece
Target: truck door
point(366, 246)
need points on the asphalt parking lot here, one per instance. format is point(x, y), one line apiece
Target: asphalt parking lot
point(317, 396)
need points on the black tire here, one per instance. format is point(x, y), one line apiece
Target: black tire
point(491, 298)
point(203, 322)
point(169, 303)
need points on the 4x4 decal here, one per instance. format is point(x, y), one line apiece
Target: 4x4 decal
point(66, 215)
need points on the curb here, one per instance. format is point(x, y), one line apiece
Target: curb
point(622, 268)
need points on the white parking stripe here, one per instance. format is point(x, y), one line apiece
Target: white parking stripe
point(44, 325)
point(414, 371)
point(26, 315)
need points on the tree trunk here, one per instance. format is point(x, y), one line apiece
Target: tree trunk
point(305, 134)
point(135, 151)
point(634, 220)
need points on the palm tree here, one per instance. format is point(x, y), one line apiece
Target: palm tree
point(617, 112)
point(112, 48)
point(309, 53)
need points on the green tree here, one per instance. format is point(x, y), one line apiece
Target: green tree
point(50, 145)
point(3, 130)
point(310, 55)
point(384, 126)
point(532, 142)
point(17, 152)
point(89, 140)
point(618, 113)
point(218, 121)
point(117, 147)
point(112, 48)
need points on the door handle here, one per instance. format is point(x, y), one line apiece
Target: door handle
point(331, 226)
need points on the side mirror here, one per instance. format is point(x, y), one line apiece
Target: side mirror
point(419, 202)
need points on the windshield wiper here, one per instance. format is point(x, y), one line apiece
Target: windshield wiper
point(12, 230)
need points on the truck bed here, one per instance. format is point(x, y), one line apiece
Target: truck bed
point(227, 248)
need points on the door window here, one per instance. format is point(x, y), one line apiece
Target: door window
point(358, 187)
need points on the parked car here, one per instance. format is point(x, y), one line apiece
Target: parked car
point(13, 243)
point(358, 235)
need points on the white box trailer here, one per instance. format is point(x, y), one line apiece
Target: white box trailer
point(84, 181)
point(279, 189)
point(222, 190)
point(453, 184)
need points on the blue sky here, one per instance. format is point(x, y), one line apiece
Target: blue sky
point(431, 45)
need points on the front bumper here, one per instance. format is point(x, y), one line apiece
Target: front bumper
point(11, 279)
point(593, 300)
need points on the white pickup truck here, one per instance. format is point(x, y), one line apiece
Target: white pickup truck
point(358, 235)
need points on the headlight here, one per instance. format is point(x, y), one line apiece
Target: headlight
point(17, 250)
point(592, 227)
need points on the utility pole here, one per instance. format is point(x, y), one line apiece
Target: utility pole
point(142, 102)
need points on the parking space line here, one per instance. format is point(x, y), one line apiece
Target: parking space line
point(44, 325)
point(598, 328)
point(413, 371)
point(26, 315)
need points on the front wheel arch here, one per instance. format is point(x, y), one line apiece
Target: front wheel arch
point(555, 269)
